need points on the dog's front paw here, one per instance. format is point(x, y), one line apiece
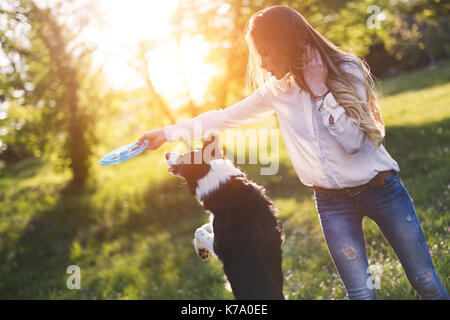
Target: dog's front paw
point(200, 250)
point(203, 241)
point(203, 254)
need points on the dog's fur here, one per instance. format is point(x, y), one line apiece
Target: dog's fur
point(245, 233)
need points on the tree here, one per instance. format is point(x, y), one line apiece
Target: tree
point(54, 64)
point(141, 65)
point(389, 33)
point(223, 23)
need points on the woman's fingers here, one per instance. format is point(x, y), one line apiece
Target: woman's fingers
point(141, 140)
point(146, 136)
point(318, 57)
point(312, 51)
point(308, 54)
point(315, 72)
point(155, 138)
point(315, 56)
point(312, 58)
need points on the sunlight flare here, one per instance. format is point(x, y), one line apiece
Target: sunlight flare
point(178, 73)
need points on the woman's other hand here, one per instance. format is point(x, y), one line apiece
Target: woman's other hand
point(155, 138)
point(316, 72)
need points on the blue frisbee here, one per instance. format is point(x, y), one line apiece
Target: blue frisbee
point(123, 153)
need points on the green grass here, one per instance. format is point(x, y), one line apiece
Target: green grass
point(131, 231)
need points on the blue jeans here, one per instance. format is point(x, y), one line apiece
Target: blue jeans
point(392, 208)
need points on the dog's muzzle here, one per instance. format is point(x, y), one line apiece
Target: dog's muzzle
point(173, 160)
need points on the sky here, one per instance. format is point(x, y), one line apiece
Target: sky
point(176, 73)
point(130, 21)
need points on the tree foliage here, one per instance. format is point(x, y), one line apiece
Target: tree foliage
point(53, 100)
point(53, 103)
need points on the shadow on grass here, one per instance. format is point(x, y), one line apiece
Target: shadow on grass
point(23, 169)
point(154, 230)
point(422, 155)
point(417, 79)
point(421, 151)
point(34, 260)
point(155, 258)
point(74, 230)
point(285, 183)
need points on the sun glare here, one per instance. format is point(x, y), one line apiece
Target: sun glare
point(177, 73)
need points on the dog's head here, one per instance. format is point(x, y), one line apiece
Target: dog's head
point(204, 169)
point(194, 164)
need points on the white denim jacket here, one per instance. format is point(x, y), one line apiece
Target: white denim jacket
point(327, 155)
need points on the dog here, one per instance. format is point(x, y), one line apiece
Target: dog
point(245, 233)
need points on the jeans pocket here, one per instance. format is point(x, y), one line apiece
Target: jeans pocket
point(323, 199)
point(322, 196)
point(389, 182)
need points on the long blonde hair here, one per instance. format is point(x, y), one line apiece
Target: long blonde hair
point(286, 29)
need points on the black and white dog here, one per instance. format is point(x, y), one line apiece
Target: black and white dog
point(245, 233)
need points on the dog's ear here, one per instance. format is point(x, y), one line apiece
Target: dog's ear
point(211, 148)
point(238, 182)
point(211, 139)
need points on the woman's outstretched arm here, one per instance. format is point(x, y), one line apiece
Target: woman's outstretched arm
point(245, 111)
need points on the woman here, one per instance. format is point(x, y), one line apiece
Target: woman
point(333, 131)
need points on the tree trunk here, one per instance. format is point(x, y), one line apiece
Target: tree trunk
point(78, 147)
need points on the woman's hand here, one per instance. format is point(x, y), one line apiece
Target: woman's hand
point(154, 137)
point(315, 72)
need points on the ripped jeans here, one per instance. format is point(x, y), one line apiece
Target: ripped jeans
point(392, 208)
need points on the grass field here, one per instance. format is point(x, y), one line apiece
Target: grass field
point(131, 231)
